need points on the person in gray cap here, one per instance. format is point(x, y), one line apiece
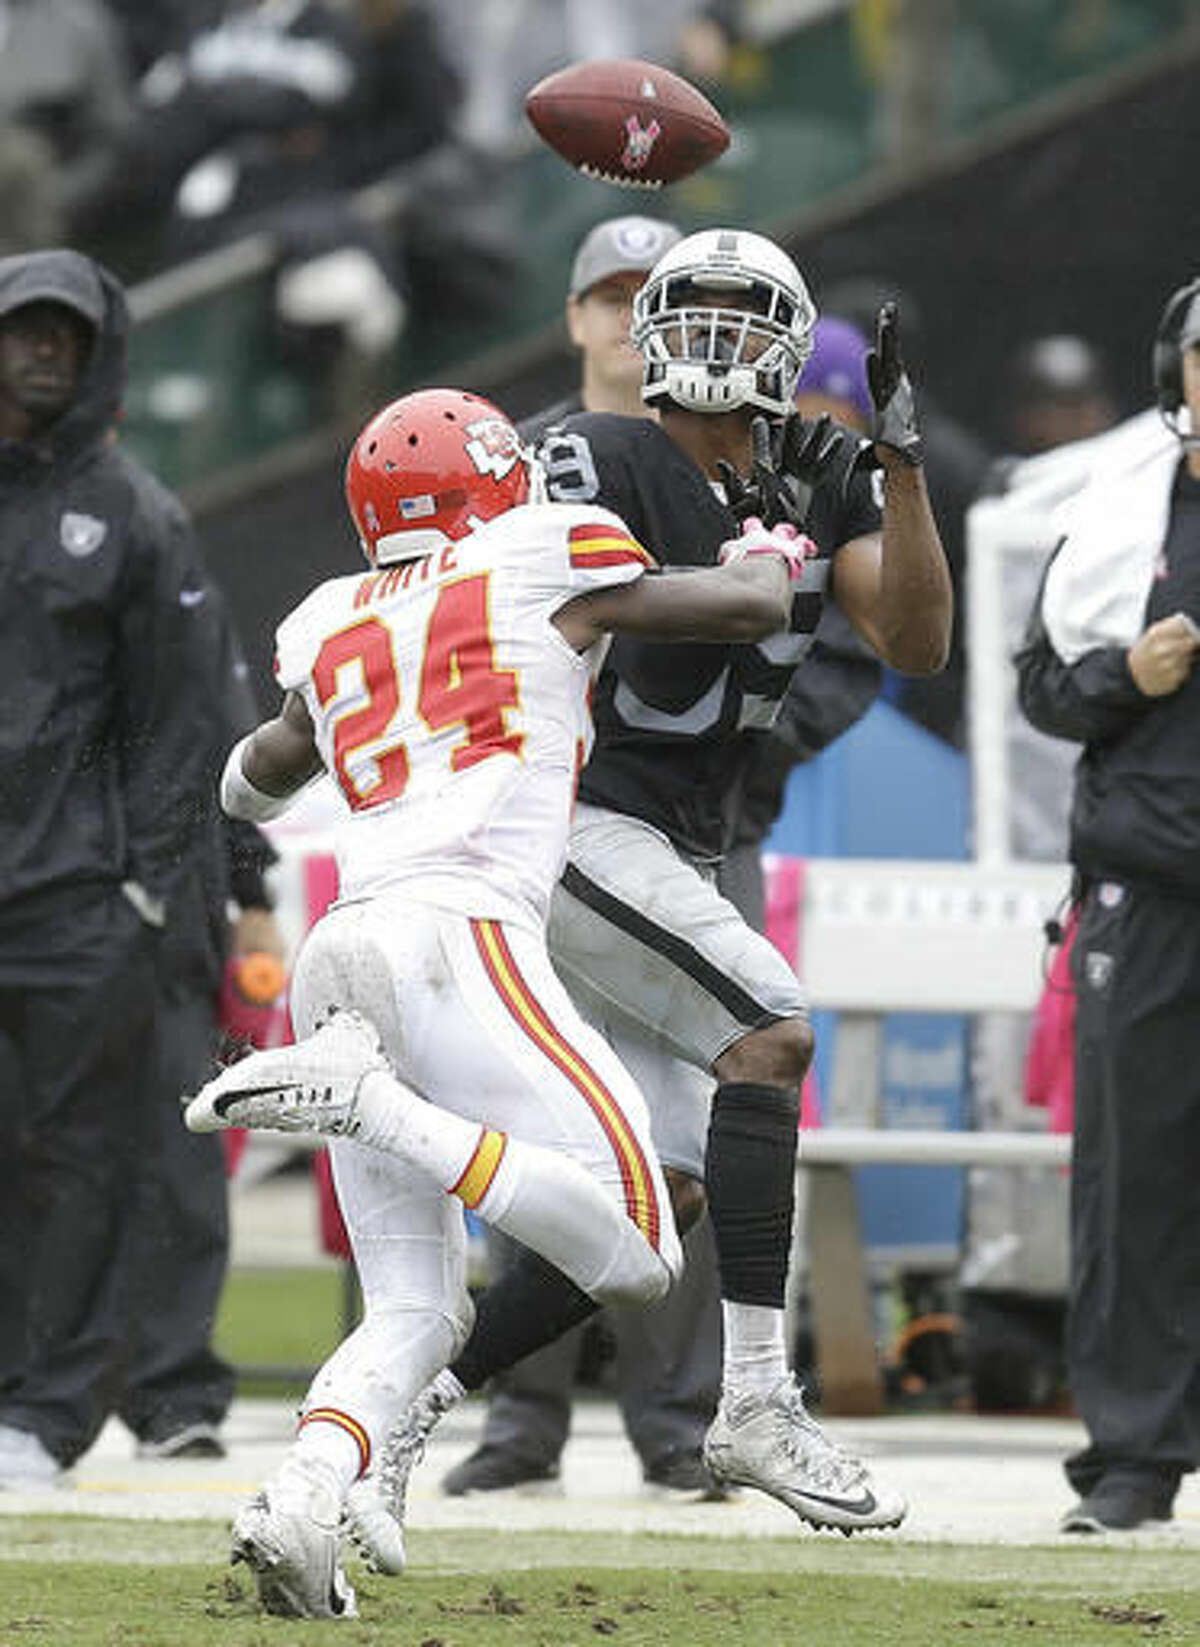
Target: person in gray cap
point(106, 632)
point(668, 1360)
point(613, 260)
point(1109, 662)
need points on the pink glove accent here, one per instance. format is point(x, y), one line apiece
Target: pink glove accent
point(783, 540)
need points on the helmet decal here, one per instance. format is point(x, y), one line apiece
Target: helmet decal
point(494, 446)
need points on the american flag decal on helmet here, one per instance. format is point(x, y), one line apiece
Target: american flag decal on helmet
point(602, 544)
point(419, 507)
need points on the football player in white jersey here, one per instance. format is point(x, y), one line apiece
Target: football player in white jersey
point(447, 692)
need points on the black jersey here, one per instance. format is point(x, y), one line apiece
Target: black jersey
point(668, 714)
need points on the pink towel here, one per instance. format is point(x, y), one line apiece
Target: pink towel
point(1050, 1060)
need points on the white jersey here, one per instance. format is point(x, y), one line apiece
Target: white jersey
point(450, 711)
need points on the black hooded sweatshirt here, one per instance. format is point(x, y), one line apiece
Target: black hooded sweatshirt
point(105, 713)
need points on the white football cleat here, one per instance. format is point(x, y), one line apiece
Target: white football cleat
point(771, 1442)
point(371, 1526)
point(288, 1536)
point(311, 1086)
point(377, 1503)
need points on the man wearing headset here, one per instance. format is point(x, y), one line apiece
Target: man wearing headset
point(1109, 662)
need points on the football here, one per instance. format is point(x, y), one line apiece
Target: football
point(627, 122)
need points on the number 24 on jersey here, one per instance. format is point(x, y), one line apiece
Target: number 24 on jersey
point(459, 685)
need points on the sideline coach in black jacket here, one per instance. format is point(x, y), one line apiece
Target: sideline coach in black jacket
point(104, 761)
point(1110, 661)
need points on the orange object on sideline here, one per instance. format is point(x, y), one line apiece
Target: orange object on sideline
point(258, 977)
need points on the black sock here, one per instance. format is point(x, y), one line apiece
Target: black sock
point(526, 1308)
point(750, 1176)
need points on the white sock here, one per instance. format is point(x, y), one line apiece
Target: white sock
point(552, 1204)
point(334, 1440)
point(394, 1119)
point(755, 1358)
point(541, 1197)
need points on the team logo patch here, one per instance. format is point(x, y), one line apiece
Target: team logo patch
point(492, 446)
point(1097, 968)
point(81, 535)
point(639, 143)
point(639, 239)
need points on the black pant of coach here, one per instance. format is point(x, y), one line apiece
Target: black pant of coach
point(1133, 1335)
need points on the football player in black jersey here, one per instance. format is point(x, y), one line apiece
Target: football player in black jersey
point(638, 930)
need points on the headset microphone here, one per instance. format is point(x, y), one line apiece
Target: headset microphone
point(1167, 362)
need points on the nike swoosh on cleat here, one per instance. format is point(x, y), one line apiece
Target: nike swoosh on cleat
point(223, 1104)
point(866, 1505)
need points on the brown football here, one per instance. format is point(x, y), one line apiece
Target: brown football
point(627, 122)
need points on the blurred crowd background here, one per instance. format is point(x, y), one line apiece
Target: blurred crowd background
point(319, 203)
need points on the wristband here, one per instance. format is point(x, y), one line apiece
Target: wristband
point(783, 541)
point(240, 798)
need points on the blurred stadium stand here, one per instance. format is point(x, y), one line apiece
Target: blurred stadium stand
point(1040, 186)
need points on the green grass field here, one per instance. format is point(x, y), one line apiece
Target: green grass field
point(83, 1581)
point(275, 1318)
point(77, 1582)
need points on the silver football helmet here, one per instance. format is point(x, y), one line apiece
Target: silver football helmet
point(723, 320)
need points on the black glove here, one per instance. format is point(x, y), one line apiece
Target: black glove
point(789, 460)
point(895, 408)
point(806, 451)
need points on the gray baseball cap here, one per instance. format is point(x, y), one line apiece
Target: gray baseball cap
point(620, 245)
point(1189, 332)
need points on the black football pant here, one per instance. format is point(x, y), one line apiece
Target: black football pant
point(77, 1026)
point(179, 1247)
point(1133, 1332)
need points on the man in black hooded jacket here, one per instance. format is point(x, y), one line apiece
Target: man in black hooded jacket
point(104, 776)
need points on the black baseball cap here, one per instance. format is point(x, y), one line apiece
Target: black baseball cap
point(52, 277)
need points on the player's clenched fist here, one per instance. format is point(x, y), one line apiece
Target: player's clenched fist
point(1161, 659)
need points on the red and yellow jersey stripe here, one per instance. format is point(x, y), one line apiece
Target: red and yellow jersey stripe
point(600, 543)
point(641, 1202)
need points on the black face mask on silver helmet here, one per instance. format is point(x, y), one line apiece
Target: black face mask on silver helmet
point(710, 356)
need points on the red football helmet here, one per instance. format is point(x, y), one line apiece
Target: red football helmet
point(429, 468)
